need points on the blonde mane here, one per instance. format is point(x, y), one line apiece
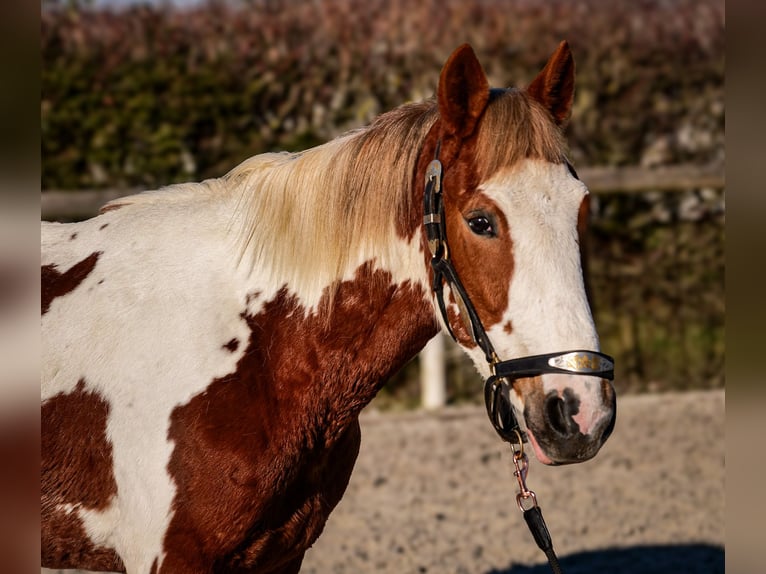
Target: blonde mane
point(309, 214)
point(309, 217)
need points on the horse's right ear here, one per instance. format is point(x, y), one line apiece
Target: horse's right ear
point(463, 92)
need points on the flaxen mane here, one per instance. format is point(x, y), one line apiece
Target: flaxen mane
point(310, 212)
point(307, 218)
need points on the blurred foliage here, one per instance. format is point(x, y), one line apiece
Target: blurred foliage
point(150, 95)
point(656, 269)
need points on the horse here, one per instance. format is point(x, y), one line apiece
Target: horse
point(208, 347)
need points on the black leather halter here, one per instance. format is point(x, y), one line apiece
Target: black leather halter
point(504, 373)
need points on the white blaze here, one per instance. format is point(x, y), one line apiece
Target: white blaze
point(547, 304)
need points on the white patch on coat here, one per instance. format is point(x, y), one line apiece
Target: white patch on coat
point(99, 525)
point(145, 331)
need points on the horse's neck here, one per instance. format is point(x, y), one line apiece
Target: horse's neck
point(393, 323)
point(345, 303)
point(336, 357)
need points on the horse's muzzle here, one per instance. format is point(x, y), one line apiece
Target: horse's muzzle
point(568, 418)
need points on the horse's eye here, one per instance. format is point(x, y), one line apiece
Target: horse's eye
point(481, 225)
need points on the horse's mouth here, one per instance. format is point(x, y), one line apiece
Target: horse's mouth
point(541, 456)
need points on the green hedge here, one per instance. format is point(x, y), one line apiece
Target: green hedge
point(149, 96)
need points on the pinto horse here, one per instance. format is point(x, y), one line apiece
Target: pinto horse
point(208, 347)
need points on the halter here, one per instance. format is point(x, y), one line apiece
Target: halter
point(504, 373)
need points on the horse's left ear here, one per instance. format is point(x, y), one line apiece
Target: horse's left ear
point(463, 92)
point(554, 85)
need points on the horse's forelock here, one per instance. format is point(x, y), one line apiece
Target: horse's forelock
point(515, 127)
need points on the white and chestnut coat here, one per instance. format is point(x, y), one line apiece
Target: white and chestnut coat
point(207, 348)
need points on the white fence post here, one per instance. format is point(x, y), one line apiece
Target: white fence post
point(433, 374)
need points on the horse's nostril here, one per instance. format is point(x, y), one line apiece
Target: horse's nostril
point(554, 409)
point(560, 411)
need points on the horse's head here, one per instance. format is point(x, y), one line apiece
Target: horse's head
point(512, 210)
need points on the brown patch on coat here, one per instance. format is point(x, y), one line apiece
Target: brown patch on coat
point(232, 345)
point(103, 226)
point(583, 221)
point(54, 284)
point(73, 236)
point(460, 330)
point(265, 453)
point(111, 207)
point(76, 453)
point(65, 544)
point(484, 265)
point(508, 327)
point(76, 469)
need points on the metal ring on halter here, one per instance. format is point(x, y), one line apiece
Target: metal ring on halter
point(434, 172)
point(521, 498)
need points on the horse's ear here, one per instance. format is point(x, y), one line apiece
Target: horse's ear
point(463, 92)
point(554, 85)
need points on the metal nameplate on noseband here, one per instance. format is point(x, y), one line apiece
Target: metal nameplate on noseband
point(583, 362)
point(577, 362)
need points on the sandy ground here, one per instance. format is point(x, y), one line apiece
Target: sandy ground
point(434, 493)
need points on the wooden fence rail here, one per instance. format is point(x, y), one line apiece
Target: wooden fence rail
point(73, 205)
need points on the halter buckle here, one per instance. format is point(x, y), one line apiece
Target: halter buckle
point(434, 174)
point(432, 214)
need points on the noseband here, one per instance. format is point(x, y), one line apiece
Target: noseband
point(504, 373)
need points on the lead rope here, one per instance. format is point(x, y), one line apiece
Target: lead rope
point(533, 516)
